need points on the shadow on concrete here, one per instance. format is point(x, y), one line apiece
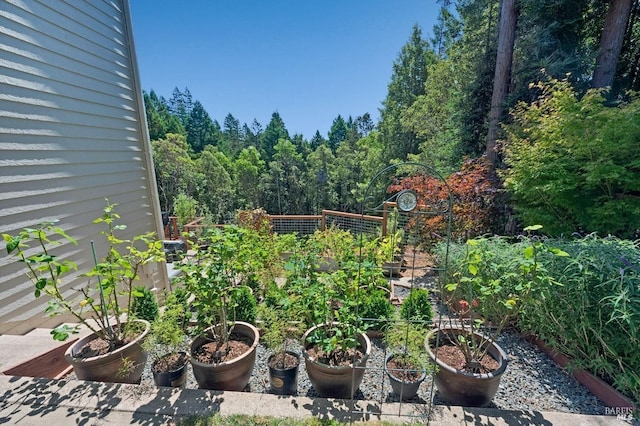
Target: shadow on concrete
point(38, 398)
point(167, 403)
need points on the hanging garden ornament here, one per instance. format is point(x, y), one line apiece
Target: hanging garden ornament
point(407, 200)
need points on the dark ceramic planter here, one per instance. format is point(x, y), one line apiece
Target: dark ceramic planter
point(175, 378)
point(230, 375)
point(336, 382)
point(109, 367)
point(461, 388)
point(284, 381)
point(405, 390)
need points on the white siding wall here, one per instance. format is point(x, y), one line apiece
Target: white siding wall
point(72, 133)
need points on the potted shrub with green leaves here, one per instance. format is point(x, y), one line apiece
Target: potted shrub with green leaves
point(503, 278)
point(407, 362)
point(390, 254)
point(336, 349)
point(279, 333)
point(332, 246)
point(223, 352)
point(113, 352)
point(166, 343)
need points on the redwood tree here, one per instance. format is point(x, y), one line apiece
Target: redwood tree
point(615, 25)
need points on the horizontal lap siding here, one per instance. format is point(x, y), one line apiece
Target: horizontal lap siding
point(71, 135)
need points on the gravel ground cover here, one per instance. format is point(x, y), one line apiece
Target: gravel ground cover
point(532, 380)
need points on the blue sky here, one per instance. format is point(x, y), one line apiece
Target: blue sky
point(309, 60)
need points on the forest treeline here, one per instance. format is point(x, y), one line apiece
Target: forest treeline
point(491, 80)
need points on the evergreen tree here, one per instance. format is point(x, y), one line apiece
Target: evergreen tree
point(282, 183)
point(181, 105)
point(159, 120)
point(317, 140)
point(407, 83)
point(201, 130)
point(232, 136)
point(337, 133)
point(320, 181)
point(249, 167)
point(275, 131)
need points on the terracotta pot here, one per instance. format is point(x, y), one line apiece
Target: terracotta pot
point(109, 367)
point(406, 390)
point(284, 381)
point(232, 375)
point(461, 388)
point(174, 378)
point(336, 381)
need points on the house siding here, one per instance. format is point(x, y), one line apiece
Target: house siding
point(72, 134)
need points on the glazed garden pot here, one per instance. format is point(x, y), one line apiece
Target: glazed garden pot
point(284, 381)
point(174, 378)
point(462, 388)
point(110, 367)
point(336, 381)
point(231, 375)
point(405, 390)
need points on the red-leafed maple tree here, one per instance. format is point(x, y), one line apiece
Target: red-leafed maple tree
point(473, 192)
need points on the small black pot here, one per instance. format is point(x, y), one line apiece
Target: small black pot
point(406, 390)
point(284, 381)
point(176, 378)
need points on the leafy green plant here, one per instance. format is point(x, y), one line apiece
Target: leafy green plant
point(333, 242)
point(279, 331)
point(144, 306)
point(573, 161)
point(167, 335)
point(115, 275)
point(215, 276)
point(405, 340)
point(244, 305)
point(389, 247)
point(593, 317)
point(329, 300)
point(504, 290)
point(417, 306)
point(185, 208)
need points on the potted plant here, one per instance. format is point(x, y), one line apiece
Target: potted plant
point(165, 344)
point(406, 363)
point(279, 333)
point(470, 362)
point(374, 296)
point(223, 352)
point(113, 351)
point(389, 254)
point(332, 247)
point(336, 349)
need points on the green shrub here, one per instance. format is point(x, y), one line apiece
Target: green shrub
point(573, 162)
point(144, 304)
point(417, 306)
point(377, 307)
point(594, 316)
point(244, 305)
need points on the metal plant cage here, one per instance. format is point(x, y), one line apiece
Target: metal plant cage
point(416, 203)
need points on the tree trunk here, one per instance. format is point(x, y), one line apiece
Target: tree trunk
point(615, 25)
point(502, 76)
